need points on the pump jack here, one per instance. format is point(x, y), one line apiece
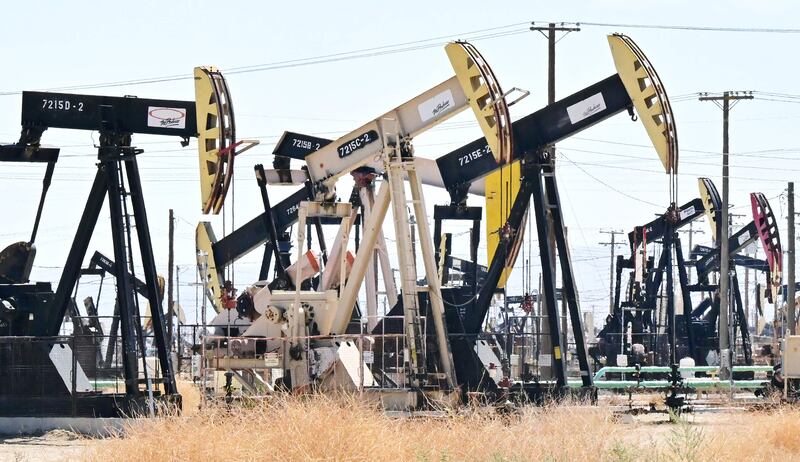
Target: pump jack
point(210, 118)
point(642, 293)
point(696, 329)
point(636, 85)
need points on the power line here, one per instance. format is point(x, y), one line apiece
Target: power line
point(758, 153)
point(690, 174)
point(604, 183)
point(776, 100)
point(566, 195)
point(639, 158)
point(403, 47)
point(763, 30)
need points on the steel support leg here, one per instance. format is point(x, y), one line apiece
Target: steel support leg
point(568, 290)
point(434, 288)
point(548, 277)
point(349, 295)
point(408, 274)
point(371, 277)
point(741, 320)
point(80, 244)
point(383, 260)
point(686, 296)
point(670, 297)
point(150, 276)
point(269, 221)
point(127, 307)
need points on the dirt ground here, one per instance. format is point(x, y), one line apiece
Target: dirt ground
point(53, 446)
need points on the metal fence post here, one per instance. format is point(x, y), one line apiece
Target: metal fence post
point(73, 377)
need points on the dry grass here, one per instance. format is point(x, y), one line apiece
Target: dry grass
point(324, 428)
point(753, 436)
point(190, 395)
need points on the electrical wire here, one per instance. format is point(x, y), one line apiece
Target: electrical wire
point(762, 30)
point(402, 47)
point(595, 271)
point(753, 167)
point(496, 32)
point(690, 174)
point(698, 151)
point(560, 153)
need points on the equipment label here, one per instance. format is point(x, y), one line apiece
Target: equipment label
point(744, 238)
point(689, 211)
point(368, 356)
point(544, 360)
point(166, 117)
point(586, 108)
point(272, 360)
point(473, 155)
point(348, 147)
point(436, 106)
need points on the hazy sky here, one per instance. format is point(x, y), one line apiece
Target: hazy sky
point(57, 44)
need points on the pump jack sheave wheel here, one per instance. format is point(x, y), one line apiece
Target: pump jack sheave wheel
point(491, 110)
point(485, 96)
point(217, 148)
point(216, 141)
point(767, 228)
point(213, 279)
point(648, 96)
point(712, 203)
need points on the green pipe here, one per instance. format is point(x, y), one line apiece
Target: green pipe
point(106, 383)
point(665, 369)
point(662, 384)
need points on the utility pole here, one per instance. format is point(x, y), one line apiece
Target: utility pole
point(170, 274)
point(178, 304)
point(613, 244)
point(724, 281)
point(551, 30)
point(790, 283)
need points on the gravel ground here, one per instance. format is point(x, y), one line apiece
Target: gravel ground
point(53, 446)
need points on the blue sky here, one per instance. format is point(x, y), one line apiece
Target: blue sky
point(54, 44)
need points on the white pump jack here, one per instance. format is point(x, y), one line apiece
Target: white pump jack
point(384, 144)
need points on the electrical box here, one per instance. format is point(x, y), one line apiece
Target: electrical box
point(791, 357)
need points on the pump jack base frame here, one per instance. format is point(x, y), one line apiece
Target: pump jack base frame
point(79, 405)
